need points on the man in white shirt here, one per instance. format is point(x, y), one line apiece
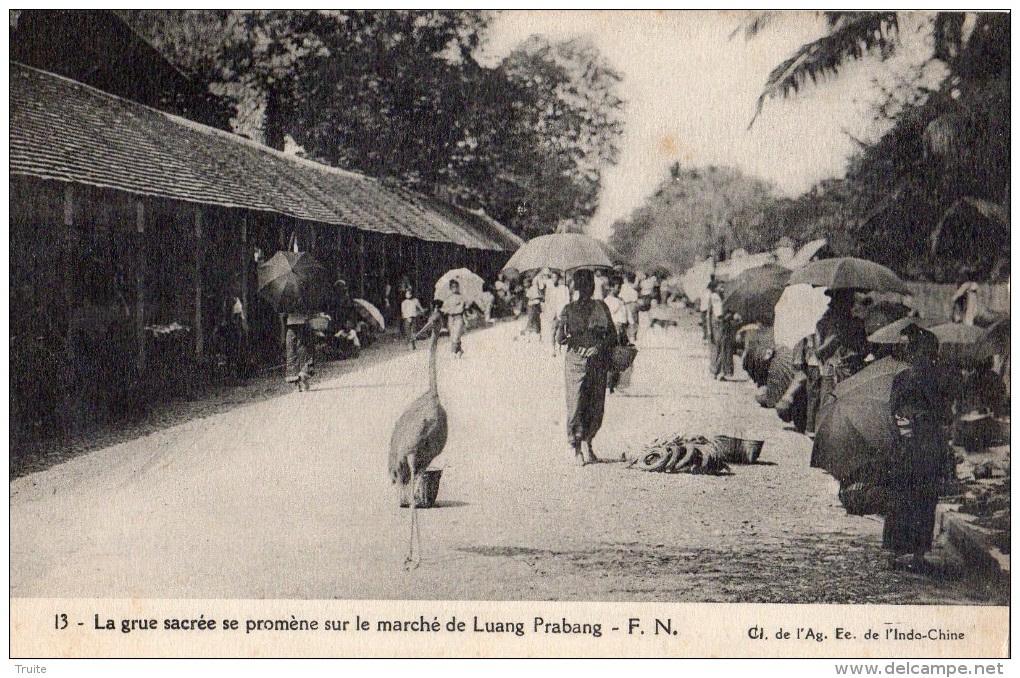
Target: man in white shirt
point(629, 296)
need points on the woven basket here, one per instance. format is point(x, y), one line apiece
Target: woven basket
point(738, 450)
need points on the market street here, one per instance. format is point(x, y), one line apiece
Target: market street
point(289, 498)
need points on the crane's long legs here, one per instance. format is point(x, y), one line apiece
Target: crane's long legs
point(413, 559)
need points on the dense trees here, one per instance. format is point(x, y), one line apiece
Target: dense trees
point(400, 95)
point(694, 212)
point(931, 197)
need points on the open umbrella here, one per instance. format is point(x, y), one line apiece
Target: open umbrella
point(797, 312)
point(856, 431)
point(470, 285)
point(560, 251)
point(893, 332)
point(292, 282)
point(958, 343)
point(754, 293)
point(369, 313)
point(849, 273)
point(884, 312)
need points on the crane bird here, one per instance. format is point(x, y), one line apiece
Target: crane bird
point(419, 436)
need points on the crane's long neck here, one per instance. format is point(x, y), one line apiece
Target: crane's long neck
point(433, 381)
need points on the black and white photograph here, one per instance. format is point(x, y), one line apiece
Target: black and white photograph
point(477, 310)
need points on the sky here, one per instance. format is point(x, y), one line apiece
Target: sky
point(691, 88)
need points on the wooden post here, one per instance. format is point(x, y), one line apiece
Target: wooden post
point(141, 267)
point(246, 261)
point(199, 335)
point(361, 263)
point(69, 242)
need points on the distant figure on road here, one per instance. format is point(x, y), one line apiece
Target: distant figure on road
point(299, 351)
point(587, 330)
point(410, 310)
point(618, 312)
point(920, 413)
point(533, 322)
point(556, 296)
point(454, 307)
point(630, 297)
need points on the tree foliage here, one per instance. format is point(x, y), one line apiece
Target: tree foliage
point(400, 95)
point(931, 197)
point(693, 213)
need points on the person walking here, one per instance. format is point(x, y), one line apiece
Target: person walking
point(557, 296)
point(587, 330)
point(921, 412)
point(618, 312)
point(533, 321)
point(454, 307)
point(410, 310)
point(629, 296)
point(300, 357)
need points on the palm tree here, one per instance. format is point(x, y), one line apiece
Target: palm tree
point(946, 156)
point(973, 46)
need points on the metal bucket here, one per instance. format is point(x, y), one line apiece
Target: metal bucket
point(426, 489)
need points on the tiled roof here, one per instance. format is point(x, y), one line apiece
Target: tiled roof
point(63, 130)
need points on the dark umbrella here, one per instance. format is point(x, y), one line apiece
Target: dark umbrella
point(292, 282)
point(856, 431)
point(562, 252)
point(849, 273)
point(893, 332)
point(958, 343)
point(879, 315)
point(754, 293)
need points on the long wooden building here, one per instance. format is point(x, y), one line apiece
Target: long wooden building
point(169, 214)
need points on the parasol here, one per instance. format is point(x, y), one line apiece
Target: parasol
point(849, 273)
point(695, 280)
point(958, 343)
point(893, 332)
point(855, 429)
point(797, 312)
point(292, 282)
point(884, 312)
point(806, 253)
point(370, 314)
point(754, 293)
point(562, 252)
point(470, 285)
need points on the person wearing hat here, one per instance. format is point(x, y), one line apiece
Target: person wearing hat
point(586, 328)
point(921, 412)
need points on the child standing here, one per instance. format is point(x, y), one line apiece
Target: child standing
point(410, 310)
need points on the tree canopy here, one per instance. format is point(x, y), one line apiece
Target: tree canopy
point(693, 213)
point(931, 197)
point(400, 95)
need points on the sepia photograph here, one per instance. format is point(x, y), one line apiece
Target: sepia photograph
point(524, 333)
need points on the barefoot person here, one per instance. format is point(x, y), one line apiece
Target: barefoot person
point(586, 329)
point(920, 411)
point(454, 307)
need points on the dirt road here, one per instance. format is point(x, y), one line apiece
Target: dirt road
point(289, 498)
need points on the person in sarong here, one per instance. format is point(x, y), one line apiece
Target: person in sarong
point(921, 414)
point(618, 312)
point(454, 307)
point(299, 351)
point(843, 343)
point(586, 328)
point(533, 322)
